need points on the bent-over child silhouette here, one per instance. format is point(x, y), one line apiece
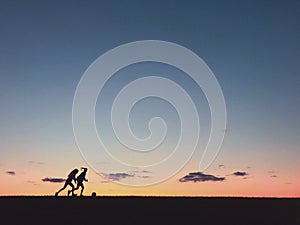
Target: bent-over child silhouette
point(80, 178)
point(71, 177)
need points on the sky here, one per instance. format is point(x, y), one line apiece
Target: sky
point(252, 47)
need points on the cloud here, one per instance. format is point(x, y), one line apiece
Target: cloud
point(116, 176)
point(144, 176)
point(34, 162)
point(221, 166)
point(240, 174)
point(200, 177)
point(53, 180)
point(120, 176)
point(274, 176)
point(32, 182)
point(13, 173)
point(141, 171)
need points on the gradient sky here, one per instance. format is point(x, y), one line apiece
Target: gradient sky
point(251, 46)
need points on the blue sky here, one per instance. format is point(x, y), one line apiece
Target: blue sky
point(252, 48)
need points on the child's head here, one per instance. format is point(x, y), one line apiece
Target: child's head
point(75, 171)
point(84, 169)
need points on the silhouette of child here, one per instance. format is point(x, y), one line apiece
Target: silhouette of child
point(80, 178)
point(71, 177)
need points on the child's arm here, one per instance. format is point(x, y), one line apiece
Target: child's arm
point(86, 180)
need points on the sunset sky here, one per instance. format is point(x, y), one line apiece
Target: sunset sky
point(252, 47)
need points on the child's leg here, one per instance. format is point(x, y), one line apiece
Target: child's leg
point(72, 188)
point(65, 185)
point(76, 188)
point(82, 187)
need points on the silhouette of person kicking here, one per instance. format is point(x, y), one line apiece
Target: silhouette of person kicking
point(71, 177)
point(80, 178)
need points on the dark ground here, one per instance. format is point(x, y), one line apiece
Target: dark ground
point(148, 210)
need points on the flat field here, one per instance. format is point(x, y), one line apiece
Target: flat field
point(148, 210)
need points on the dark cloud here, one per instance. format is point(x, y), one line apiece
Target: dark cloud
point(116, 176)
point(273, 173)
point(13, 173)
point(200, 177)
point(221, 166)
point(144, 176)
point(240, 174)
point(53, 180)
point(119, 176)
point(145, 171)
